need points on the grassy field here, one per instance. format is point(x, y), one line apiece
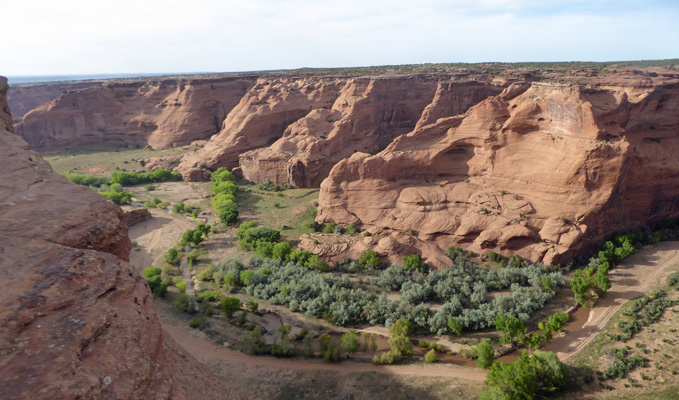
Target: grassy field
point(292, 208)
point(102, 159)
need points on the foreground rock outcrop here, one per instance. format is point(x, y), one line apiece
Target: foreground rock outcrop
point(157, 113)
point(78, 321)
point(541, 170)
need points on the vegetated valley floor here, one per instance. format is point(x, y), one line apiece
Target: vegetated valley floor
point(289, 211)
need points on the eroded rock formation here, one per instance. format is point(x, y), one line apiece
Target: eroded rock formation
point(366, 117)
point(163, 113)
point(541, 170)
point(260, 118)
point(78, 321)
point(26, 97)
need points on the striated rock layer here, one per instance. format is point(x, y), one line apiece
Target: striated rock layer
point(366, 117)
point(541, 170)
point(292, 131)
point(77, 320)
point(170, 112)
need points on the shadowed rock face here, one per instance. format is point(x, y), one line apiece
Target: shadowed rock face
point(77, 320)
point(160, 114)
point(544, 171)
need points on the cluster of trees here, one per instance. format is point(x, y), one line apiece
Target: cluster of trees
point(271, 187)
point(400, 345)
point(112, 188)
point(86, 179)
point(283, 277)
point(265, 242)
point(514, 330)
point(116, 194)
point(156, 203)
point(194, 237)
point(181, 208)
point(134, 178)
point(153, 278)
point(224, 192)
point(594, 277)
point(464, 289)
point(531, 376)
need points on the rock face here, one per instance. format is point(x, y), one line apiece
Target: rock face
point(541, 170)
point(136, 216)
point(24, 98)
point(294, 131)
point(77, 320)
point(159, 114)
point(260, 119)
point(366, 117)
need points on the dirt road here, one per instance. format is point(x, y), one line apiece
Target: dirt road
point(637, 276)
point(205, 351)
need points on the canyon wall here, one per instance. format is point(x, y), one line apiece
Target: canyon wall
point(24, 98)
point(157, 113)
point(78, 321)
point(544, 163)
point(294, 131)
point(260, 118)
point(366, 116)
point(541, 170)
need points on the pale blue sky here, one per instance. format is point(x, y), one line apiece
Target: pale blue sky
point(125, 36)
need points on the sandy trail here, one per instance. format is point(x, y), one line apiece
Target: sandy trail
point(637, 276)
point(156, 235)
point(205, 351)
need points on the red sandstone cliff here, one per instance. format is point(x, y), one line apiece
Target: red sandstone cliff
point(260, 118)
point(366, 117)
point(163, 113)
point(26, 97)
point(542, 170)
point(77, 320)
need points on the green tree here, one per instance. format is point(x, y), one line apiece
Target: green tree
point(527, 378)
point(254, 342)
point(401, 327)
point(230, 305)
point(455, 326)
point(151, 271)
point(222, 175)
point(351, 341)
point(431, 356)
point(370, 259)
point(414, 263)
point(581, 285)
point(485, 352)
point(157, 286)
point(512, 328)
point(252, 305)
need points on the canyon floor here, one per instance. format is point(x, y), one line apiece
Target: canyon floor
point(584, 344)
point(300, 378)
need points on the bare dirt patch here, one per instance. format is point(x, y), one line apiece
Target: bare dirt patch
point(155, 236)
